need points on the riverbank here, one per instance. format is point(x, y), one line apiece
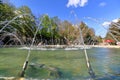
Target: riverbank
point(81, 46)
point(64, 46)
point(106, 46)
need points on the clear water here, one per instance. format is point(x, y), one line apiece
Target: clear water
point(71, 64)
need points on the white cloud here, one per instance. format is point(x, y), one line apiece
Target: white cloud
point(102, 4)
point(115, 20)
point(83, 2)
point(106, 23)
point(76, 3)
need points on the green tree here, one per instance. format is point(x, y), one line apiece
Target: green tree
point(6, 12)
point(99, 39)
point(46, 26)
point(25, 26)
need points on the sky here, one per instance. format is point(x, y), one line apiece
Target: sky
point(96, 14)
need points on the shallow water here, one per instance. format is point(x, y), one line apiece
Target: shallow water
point(71, 64)
point(106, 63)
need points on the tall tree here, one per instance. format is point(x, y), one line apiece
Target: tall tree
point(46, 26)
point(114, 31)
point(24, 24)
point(87, 33)
point(6, 12)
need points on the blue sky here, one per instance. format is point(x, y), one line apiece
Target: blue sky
point(85, 10)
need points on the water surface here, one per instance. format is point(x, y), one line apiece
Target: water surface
point(71, 64)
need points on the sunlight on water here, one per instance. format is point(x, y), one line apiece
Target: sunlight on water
point(67, 64)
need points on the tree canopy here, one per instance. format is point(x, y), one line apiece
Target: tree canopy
point(22, 24)
point(114, 32)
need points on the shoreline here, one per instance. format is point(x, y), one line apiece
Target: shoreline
point(106, 46)
point(52, 47)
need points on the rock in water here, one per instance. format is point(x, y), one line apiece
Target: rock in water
point(34, 65)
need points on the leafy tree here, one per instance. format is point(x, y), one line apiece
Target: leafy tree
point(98, 40)
point(21, 22)
point(52, 30)
point(64, 31)
point(25, 24)
point(87, 33)
point(46, 26)
point(6, 12)
point(49, 29)
point(114, 31)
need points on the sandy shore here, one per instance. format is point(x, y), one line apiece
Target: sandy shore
point(106, 46)
point(52, 47)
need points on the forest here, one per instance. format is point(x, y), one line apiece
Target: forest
point(18, 26)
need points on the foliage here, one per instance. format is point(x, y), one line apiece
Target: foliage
point(6, 12)
point(51, 30)
point(114, 31)
point(87, 33)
